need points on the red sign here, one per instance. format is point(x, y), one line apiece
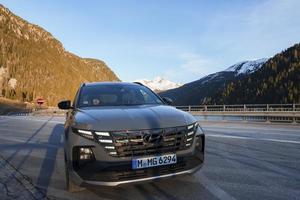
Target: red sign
point(40, 101)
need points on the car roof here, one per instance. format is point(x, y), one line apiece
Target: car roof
point(109, 83)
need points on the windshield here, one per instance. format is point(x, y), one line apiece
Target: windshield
point(116, 95)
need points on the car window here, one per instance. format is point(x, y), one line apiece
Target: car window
point(116, 95)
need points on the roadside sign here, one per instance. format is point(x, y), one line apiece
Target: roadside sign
point(40, 101)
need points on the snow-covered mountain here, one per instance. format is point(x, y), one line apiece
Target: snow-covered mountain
point(199, 91)
point(159, 84)
point(246, 67)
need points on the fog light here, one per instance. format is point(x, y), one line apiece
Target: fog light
point(85, 154)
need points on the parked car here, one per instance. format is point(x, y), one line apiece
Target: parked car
point(120, 133)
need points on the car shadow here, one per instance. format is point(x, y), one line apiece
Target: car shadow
point(27, 142)
point(47, 168)
point(34, 143)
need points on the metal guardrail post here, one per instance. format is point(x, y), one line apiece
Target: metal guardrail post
point(189, 108)
point(294, 120)
point(224, 108)
point(267, 107)
point(294, 107)
point(267, 119)
point(244, 107)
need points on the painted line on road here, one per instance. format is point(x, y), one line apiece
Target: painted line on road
point(241, 126)
point(291, 132)
point(33, 119)
point(249, 138)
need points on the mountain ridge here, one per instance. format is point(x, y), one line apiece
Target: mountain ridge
point(202, 90)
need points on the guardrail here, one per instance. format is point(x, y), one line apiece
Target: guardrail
point(242, 108)
point(248, 112)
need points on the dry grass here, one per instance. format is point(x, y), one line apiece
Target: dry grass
point(7, 106)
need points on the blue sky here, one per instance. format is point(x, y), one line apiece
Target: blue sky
point(176, 39)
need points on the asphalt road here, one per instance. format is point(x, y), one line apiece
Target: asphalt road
point(243, 161)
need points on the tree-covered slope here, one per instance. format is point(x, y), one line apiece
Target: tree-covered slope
point(208, 89)
point(277, 81)
point(34, 64)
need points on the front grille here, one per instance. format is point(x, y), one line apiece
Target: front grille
point(147, 142)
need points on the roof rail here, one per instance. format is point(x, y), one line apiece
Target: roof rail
point(139, 83)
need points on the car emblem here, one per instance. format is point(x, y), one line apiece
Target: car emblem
point(154, 139)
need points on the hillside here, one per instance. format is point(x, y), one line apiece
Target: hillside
point(206, 89)
point(34, 64)
point(277, 81)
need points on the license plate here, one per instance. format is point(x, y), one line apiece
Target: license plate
point(154, 161)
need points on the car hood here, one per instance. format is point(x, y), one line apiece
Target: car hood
point(131, 117)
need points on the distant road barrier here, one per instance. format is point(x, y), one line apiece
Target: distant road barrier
point(288, 113)
point(248, 112)
point(49, 111)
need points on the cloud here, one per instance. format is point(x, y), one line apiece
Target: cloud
point(193, 66)
point(195, 63)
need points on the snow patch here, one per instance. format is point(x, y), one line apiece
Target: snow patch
point(159, 84)
point(12, 83)
point(247, 67)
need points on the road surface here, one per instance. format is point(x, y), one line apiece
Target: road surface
point(243, 161)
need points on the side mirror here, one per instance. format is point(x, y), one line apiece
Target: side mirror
point(167, 100)
point(64, 105)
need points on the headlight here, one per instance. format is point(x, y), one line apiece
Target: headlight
point(84, 133)
point(191, 130)
point(102, 137)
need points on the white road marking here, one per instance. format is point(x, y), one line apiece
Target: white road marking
point(32, 119)
point(241, 127)
point(263, 132)
point(250, 138)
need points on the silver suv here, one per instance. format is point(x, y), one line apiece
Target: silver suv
point(119, 133)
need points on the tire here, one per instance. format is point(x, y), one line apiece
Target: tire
point(70, 185)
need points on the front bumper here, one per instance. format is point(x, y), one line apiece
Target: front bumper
point(114, 174)
point(109, 171)
point(117, 183)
